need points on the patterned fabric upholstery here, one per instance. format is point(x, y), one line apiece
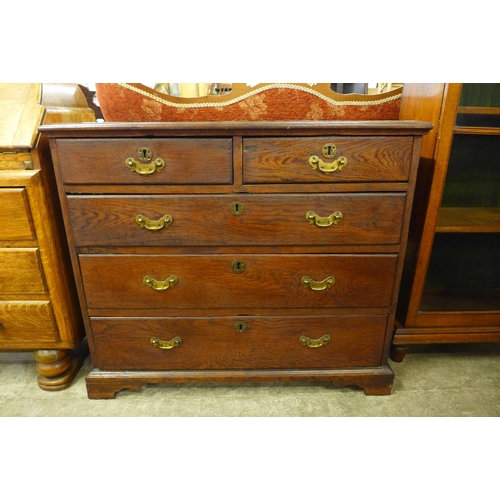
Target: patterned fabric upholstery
point(134, 102)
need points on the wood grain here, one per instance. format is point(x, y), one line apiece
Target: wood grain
point(23, 323)
point(213, 342)
point(266, 219)
point(187, 161)
point(21, 271)
point(15, 216)
point(114, 281)
point(260, 166)
point(38, 308)
point(287, 159)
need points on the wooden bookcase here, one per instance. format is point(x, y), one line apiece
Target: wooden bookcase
point(451, 282)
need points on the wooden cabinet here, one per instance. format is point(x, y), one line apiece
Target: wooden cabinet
point(231, 252)
point(39, 308)
point(451, 282)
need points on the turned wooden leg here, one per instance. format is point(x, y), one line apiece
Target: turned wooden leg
point(58, 367)
point(398, 353)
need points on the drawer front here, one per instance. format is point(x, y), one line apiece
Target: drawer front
point(16, 161)
point(237, 281)
point(238, 342)
point(264, 220)
point(289, 160)
point(25, 323)
point(20, 271)
point(15, 216)
point(106, 161)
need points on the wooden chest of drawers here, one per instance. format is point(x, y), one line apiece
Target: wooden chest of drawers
point(237, 251)
point(39, 309)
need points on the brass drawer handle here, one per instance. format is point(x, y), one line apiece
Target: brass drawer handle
point(318, 286)
point(312, 343)
point(165, 344)
point(327, 168)
point(314, 218)
point(154, 225)
point(170, 282)
point(154, 166)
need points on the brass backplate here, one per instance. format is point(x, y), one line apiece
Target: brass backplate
point(238, 266)
point(144, 154)
point(237, 208)
point(329, 150)
point(240, 327)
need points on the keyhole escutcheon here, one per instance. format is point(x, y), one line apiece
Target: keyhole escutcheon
point(237, 208)
point(329, 150)
point(240, 327)
point(238, 266)
point(144, 154)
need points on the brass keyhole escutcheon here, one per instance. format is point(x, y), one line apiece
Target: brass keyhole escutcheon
point(237, 208)
point(329, 150)
point(240, 327)
point(238, 266)
point(144, 154)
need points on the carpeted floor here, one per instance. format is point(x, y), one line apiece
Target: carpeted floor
point(437, 381)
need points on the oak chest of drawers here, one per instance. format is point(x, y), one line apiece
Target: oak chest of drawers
point(234, 252)
point(39, 309)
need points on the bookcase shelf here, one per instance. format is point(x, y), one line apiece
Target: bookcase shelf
point(468, 220)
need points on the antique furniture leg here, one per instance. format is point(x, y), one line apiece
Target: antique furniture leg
point(398, 353)
point(57, 368)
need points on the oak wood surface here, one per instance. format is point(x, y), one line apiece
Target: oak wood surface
point(16, 161)
point(279, 159)
point(117, 281)
point(110, 258)
point(228, 129)
point(21, 114)
point(21, 271)
point(213, 342)
point(38, 300)
point(376, 381)
point(25, 323)
point(187, 161)
point(65, 103)
point(15, 215)
point(208, 221)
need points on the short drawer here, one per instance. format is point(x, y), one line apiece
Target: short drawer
point(16, 161)
point(15, 215)
point(237, 281)
point(146, 161)
point(20, 271)
point(238, 342)
point(326, 219)
point(24, 323)
point(326, 159)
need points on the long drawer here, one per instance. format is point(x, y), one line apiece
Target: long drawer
point(146, 161)
point(322, 219)
point(326, 159)
point(238, 342)
point(237, 281)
